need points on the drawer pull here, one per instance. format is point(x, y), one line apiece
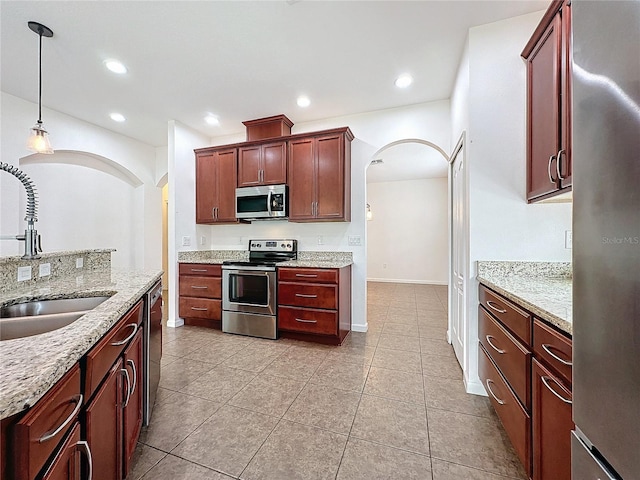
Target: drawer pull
point(199, 287)
point(135, 374)
point(306, 296)
point(199, 309)
point(547, 348)
point(125, 372)
point(545, 380)
point(489, 337)
point(122, 342)
point(492, 306)
point(302, 320)
point(199, 270)
point(87, 451)
point(306, 275)
point(48, 436)
point(501, 402)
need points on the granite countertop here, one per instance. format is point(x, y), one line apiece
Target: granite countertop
point(305, 259)
point(544, 289)
point(30, 366)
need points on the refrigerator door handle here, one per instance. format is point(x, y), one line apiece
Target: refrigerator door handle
point(545, 380)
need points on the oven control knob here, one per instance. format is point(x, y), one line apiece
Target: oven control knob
point(288, 245)
point(258, 245)
point(253, 244)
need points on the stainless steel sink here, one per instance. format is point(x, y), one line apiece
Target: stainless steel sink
point(32, 318)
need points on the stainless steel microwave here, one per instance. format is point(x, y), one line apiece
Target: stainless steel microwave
point(262, 203)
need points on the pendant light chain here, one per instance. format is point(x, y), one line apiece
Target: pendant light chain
point(40, 80)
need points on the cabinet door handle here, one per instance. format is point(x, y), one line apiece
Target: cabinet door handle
point(558, 164)
point(199, 270)
point(213, 213)
point(48, 436)
point(135, 374)
point(199, 309)
point(545, 380)
point(302, 320)
point(87, 451)
point(302, 295)
point(122, 342)
point(306, 275)
point(551, 158)
point(493, 307)
point(547, 348)
point(501, 402)
point(199, 287)
point(125, 372)
point(489, 337)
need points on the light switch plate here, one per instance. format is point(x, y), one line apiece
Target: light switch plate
point(186, 241)
point(24, 273)
point(44, 269)
point(79, 262)
point(568, 239)
point(355, 240)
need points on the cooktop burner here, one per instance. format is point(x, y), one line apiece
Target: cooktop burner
point(268, 253)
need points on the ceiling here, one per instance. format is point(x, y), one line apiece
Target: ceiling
point(236, 60)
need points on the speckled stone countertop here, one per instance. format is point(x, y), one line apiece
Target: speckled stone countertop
point(32, 365)
point(305, 259)
point(543, 288)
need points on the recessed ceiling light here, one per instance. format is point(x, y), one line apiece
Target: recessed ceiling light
point(212, 120)
point(303, 101)
point(404, 80)
point(115, 66)
point(117, 117)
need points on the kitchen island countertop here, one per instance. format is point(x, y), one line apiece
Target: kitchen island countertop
point(30, 366)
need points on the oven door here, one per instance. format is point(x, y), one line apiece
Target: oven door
point(249, 290)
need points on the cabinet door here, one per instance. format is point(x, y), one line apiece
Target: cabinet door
point(552, 426)
point(543, 92)
point(249, 166)
point(274, 163)
point(205, 187)
point(66, 464)
point(226, 186)
point(132, 413)
point(301, 179)
point(330, 178)
point(565, 167)
point(104, 426)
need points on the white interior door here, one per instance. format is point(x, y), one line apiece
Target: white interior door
point(458, 257)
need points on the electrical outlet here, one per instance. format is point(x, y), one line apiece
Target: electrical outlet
point(203, 240)
point(384, 265)
point(24, 273)
point(79, 262)
point(44, 269)
point(320, 240)
point(568, 239)
point(186, 241)
point(355, 240)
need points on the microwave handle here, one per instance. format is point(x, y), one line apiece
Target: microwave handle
point(269, 202)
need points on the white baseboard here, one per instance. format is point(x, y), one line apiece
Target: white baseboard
point(360, 328)
point(176, 322)
point(400, 280)
point(475, 388)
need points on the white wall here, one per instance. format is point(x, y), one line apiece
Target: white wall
point(408, 236)
point(502, 225)
point(373, 130)
point(98, 191)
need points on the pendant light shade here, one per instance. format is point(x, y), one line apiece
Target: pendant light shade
point(38, 140)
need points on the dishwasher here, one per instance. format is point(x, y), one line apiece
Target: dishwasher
point(152, 348)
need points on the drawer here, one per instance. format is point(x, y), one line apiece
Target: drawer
point(206, 287)
point(200, 269)
point(515, 420)
point(191, 307)
point(307, 320)
point(513, 317)
point(313, 275)
point(553, 348)
point(40, 431)
point(510, 356)
point(308, 295)
point(101, 357)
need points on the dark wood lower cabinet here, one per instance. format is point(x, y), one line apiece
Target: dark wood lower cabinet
point(67, 463)
point(104, 426)
point(552, 426)
point(132, 415)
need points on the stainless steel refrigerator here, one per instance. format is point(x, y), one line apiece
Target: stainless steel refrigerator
point(606, 240)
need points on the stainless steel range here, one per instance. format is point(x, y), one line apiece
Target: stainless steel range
point(249, 289)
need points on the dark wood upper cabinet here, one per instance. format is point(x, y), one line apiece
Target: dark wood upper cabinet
point(548, 59)
point(215, 185)
point(262, 164)
point(320, 177)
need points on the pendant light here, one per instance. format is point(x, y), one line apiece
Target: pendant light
point(39, 138)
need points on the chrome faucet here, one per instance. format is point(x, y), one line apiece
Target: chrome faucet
point(31, 237)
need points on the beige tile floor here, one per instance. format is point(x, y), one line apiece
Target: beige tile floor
point(388, 404)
